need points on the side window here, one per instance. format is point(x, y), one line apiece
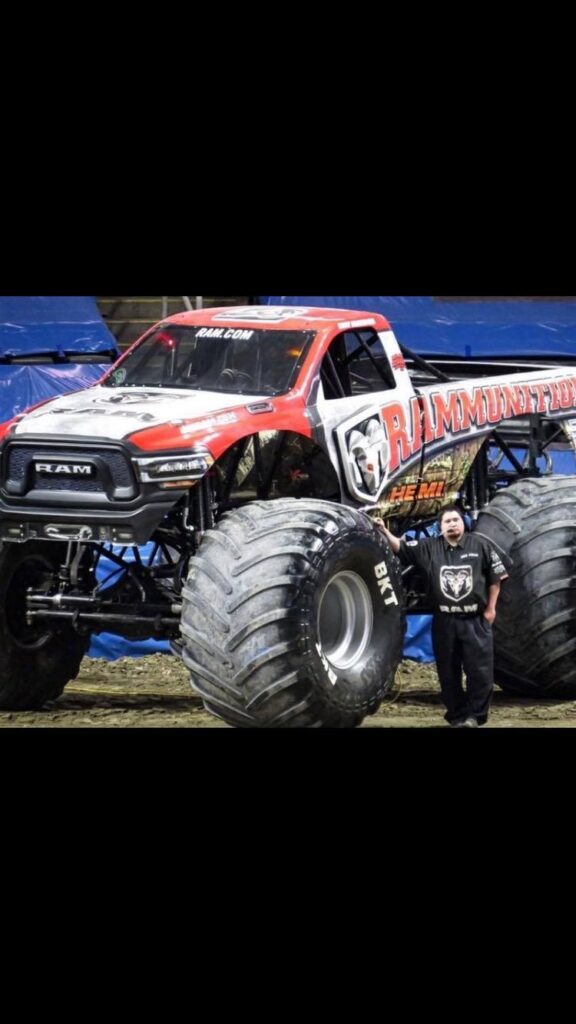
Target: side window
point(368, 364)
point(334, 370)
point(356, 364)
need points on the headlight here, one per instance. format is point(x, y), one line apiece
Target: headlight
point(174, 470)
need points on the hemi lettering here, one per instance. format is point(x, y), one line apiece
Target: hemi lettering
point(397, 493)
point(406, 492)
point(422, 492)
point(432, 490)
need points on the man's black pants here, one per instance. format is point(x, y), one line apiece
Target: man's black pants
point(464, 643)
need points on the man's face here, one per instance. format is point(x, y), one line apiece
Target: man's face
point(452, 526)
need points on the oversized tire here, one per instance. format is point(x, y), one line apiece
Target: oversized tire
point(534, 523)
point(36, 661)
point(293, 616)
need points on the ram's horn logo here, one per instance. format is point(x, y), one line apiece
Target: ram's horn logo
point(65, 468)
point(456, 584)
point(268, 314)
point(368, 450)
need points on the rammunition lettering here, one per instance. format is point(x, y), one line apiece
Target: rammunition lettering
point(435, 414)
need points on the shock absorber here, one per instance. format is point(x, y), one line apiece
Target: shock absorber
point(69, 572)
point(208, 496)
point(199, 511)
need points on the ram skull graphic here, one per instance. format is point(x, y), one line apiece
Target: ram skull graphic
point(369, 456)
point(456, 584)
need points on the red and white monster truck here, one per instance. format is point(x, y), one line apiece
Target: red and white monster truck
point(243, 446)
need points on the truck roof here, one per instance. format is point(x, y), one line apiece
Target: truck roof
point(295, 318)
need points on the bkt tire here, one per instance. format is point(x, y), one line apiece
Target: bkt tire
point(36, 661)
point(534, 522)
point(293, 616)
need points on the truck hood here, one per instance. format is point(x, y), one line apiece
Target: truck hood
point(115, 413)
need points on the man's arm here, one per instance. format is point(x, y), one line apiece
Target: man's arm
point(496, 574)
point(393, 541)
point(490, 609)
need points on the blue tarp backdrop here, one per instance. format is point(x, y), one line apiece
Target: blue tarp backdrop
point(60, 327)
point(58, 323)
point(532, 328)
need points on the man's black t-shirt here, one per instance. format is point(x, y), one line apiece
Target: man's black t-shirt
point(458, 576)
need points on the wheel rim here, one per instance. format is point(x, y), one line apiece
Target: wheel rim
point(345, 620)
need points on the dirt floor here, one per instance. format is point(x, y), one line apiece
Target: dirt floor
point(154, 692)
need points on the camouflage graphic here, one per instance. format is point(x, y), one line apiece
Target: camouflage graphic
point(424, 494)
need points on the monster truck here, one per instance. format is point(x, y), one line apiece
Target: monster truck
point(228, 465)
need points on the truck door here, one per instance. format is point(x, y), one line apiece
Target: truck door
point(357, 384)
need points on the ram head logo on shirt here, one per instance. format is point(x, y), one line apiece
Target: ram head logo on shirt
point(456, 584)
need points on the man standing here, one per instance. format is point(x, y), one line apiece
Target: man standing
point(464, 575)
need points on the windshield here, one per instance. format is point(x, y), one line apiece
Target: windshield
point(243, 361)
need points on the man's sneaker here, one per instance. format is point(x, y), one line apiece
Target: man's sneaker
point(469, 723)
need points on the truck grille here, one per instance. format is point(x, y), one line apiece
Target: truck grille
point(110, 472)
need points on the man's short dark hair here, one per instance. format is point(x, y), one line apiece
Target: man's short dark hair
point(450, 508)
